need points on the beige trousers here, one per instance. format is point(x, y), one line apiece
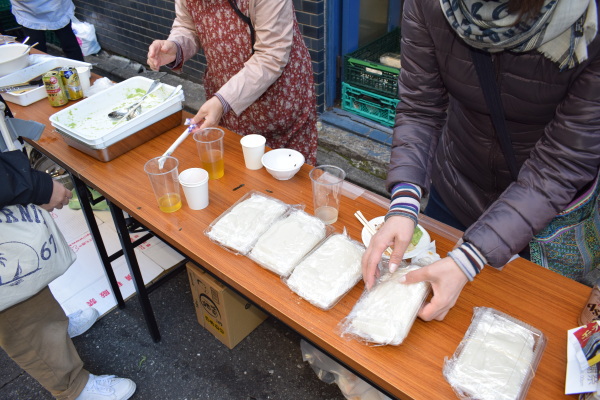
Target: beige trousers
point(34, 334)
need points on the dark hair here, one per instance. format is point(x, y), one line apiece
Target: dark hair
point(525, 8)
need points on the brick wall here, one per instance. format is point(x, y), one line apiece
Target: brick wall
point(127, 27)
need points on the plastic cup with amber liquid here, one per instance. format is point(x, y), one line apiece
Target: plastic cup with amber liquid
point(209, 142)
point(165, 182)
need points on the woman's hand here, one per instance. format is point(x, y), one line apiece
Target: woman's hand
point(211, 112)
point(447, 281)
point(59, 198)
point(161, 52)
point(396, 232)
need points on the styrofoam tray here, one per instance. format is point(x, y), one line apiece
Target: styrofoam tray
point(39, 64)
point(87, 121)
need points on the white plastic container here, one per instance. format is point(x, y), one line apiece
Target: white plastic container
point(86, 126)
point(39, 64)
point(496, 359)
point(87, 121)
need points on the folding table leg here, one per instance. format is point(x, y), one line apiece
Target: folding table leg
point(134, 269)
point(85, 201)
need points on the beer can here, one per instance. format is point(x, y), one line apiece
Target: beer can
point(71, 82)
point(55, 89)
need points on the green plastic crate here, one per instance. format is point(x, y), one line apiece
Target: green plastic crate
point(5, 5)
point(363, 69)
point(370, 105)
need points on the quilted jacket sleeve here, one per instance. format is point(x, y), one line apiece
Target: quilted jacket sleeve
point(563, 161)
point(422, 109)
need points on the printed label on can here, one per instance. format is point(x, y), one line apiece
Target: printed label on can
point(55, 88)
point(71, 82)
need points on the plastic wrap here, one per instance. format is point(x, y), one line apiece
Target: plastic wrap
point(385, 314)
point(497, 358)
point(289, 239)
point(326, 274)
point(427, 256)
point(329, 371)
point(238, 228)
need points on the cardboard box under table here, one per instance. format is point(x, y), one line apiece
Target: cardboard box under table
point(220, 310)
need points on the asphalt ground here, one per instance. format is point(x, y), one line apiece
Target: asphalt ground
point(188, 362)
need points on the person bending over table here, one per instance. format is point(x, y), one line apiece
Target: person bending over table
point(546, 60)
point(258, 78)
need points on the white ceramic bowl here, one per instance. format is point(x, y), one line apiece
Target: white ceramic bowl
point(283, 164)
point(376, 222)
point(13, 57)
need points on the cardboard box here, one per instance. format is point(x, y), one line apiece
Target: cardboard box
point(220, 310)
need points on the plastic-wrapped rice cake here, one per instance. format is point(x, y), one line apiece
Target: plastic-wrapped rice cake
point(326, 274)
point(239, 228)
point(385, 314)
point(495, 360)
point(288, 240)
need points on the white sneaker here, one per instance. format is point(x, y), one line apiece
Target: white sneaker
point(107, 387)
point(82, 320)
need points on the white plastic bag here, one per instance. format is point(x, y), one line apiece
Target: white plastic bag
point(329, 371)
point(86, 36)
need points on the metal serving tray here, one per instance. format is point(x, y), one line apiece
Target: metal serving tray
point(122, 146)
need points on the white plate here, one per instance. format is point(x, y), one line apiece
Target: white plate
point(375, 222)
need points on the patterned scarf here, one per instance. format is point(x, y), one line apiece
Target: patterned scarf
point(561, 31)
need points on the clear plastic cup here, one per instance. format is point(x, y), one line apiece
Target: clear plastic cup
point(327, 182)
point(165, 182)
point(209, 142)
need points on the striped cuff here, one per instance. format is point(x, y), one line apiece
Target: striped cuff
point(406, 201)
point(224, 103)
point(469, 259)
point(178, 63)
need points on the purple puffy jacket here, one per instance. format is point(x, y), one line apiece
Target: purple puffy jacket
point(444, 136)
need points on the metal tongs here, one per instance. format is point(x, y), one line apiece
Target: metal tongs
point(132, 111)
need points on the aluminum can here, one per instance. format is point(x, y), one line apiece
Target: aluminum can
point(71, 82)
point(55, 89)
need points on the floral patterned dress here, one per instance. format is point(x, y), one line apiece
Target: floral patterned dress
point(286, 113)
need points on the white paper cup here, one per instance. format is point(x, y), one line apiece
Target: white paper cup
point(84, 74)
point(253, 147)
point(195, 186)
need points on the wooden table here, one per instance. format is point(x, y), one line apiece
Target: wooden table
point(412, 370)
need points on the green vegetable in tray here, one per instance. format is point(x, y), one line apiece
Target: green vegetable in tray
point(417, 235)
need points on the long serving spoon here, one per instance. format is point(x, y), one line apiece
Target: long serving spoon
point(180, 139)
